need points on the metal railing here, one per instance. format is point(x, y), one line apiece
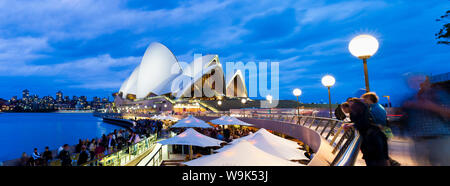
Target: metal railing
point(156, 157)
point(345, 143)
point(126, 155)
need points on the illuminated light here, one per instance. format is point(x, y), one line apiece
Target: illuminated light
point(328, 81)
point(228, 153)
point(269, 98)
point(219, 102)
point(363, 46)
point(243, 101)
point(297, 92)
point(165, 105)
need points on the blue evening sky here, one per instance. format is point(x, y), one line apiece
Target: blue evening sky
point(88, 47)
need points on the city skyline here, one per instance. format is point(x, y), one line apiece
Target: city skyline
point(103, 46)
point(33, 103)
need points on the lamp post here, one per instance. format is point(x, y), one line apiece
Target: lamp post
point(329, 81)
point(269, 99)
point(363, 47)
point(297, 92)
point(243, 101)
point(389, 100)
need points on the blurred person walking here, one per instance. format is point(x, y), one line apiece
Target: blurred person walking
point(428, 121)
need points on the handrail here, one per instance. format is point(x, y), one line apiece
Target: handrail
point(345, 150)
point(125, 155)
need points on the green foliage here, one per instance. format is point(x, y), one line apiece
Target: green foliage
point(444, 33)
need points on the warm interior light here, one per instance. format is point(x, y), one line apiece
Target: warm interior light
point(363, 46)
point(269, 98)
point(297, 92)
point(328, 81)
point(243, 101)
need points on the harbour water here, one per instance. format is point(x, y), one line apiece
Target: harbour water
point(22, 132)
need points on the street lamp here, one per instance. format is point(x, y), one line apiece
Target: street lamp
point(389, 100)
point(363, 47)
point(243, 100)
point(329, 81)
point(269, 99)
point(297, 92)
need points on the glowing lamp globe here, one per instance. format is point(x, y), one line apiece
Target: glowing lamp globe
point(219, 102)
point(297, 92)
point(363, 46)
point(328, 81)
point(243, 101)
point(269, 98)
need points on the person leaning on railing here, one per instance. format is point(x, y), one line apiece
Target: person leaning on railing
point(373, 141)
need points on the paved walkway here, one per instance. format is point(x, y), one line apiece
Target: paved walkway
point(399, 150)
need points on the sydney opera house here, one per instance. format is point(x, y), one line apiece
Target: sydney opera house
point(162, 83)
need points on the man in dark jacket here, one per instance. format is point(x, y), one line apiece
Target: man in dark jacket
point(64, 156)
point(84, 156)
point(373, 141)
point(47, 156)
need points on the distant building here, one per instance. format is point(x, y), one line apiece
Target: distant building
point(59, 97)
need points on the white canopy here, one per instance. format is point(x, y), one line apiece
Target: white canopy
point(192, 122)
point(229, 120)
point(271, 136)
point(192, 137)
point(171, 118)
point(270, 144)
point(163, 117)
point(241, 154)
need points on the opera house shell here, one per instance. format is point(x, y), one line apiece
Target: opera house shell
point(160, 74)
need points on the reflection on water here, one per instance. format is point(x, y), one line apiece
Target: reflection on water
point(21, 132)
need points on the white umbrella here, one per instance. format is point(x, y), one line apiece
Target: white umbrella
point(170, 118)
point(192, 122)
point(269, 144)
point(228, 120)
point(241, 154)
point(192, 138)
point(272, 137)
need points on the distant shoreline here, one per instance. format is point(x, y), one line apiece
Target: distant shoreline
point(55, 111)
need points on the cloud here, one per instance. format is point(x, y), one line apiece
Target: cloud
point(91, 46)
point(338, 11)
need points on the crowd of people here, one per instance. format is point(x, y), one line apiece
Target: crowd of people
point(95, 148)
point(424, 118)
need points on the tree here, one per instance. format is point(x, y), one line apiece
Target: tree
point(444, 33)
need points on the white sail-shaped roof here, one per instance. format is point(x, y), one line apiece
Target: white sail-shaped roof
point(241, 88)
point(130, 85)
point(156, 67)
point(197, 69)
point(160, 73)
